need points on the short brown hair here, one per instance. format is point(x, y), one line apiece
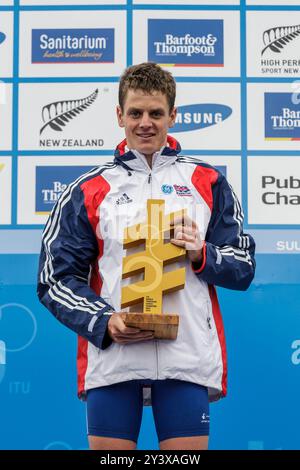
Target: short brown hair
point(147, 77)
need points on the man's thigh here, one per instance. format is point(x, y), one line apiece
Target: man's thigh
point(107, 443)
point(185, 443)
point(114, 415)
point(181, 414)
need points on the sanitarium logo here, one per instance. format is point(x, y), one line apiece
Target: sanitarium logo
point(72, 46)
point(280, 53)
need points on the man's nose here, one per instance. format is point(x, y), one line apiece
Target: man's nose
point(145, 121)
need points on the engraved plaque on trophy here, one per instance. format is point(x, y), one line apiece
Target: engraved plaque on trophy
point(151, 261)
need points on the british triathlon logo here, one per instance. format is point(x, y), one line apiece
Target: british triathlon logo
point(282, 117)
point(51, 181)
point(186, 43)
point(199, 116)
point(73, 46)
point(2, 37)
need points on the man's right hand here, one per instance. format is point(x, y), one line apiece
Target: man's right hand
point(122, 334)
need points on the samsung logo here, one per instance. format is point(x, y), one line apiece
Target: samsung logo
point(200, 116)
point(2, 37)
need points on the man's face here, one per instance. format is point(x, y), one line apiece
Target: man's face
point(146, 120)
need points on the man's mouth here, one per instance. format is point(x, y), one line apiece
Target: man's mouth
point(145, 136)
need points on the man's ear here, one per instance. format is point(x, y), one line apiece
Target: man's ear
point(172, 117)
point(120, 116)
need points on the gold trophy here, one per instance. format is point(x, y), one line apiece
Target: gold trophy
point(151, 262)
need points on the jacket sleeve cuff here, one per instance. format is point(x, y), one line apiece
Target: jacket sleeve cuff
point(198, 267)
point(106, 339)
point(100, 337)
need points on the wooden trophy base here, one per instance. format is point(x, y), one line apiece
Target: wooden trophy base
point(164, 326)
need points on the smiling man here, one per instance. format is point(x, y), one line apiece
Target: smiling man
point(80, 278)
point(146, 118)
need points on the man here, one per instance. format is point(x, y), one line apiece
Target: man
point(80, 277)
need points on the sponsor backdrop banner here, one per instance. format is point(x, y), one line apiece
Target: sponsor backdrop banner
point(237, 67)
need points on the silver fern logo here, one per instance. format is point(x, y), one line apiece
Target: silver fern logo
point(277, 38)
point(58, 114)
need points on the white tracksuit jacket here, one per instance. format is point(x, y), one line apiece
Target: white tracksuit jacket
point(80, 271)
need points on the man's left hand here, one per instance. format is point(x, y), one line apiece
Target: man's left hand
point(187, 235)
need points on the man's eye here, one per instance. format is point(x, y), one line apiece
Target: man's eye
point(156, 114)
point(134, 113)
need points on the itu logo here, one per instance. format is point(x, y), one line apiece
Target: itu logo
point(73, 46)
point(2, 37)
point(186, 43)
point(199, 116)
point(282, 117)
point(167, 189)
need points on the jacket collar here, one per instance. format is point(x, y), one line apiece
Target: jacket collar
point(131, 159)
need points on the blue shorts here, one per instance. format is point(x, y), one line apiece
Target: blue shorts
point(180, 409)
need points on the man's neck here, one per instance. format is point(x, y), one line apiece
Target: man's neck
point(149, 160)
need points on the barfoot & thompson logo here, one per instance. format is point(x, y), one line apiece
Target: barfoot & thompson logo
point(277, 51)
point(282, 117)
point(57, 115)
point(186, 43)
point(72, 46)
point(51, 181)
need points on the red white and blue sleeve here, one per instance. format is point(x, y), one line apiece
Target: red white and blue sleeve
point(228, 253)
point(68, 256)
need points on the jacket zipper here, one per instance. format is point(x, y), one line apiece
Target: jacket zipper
point(155, 340)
